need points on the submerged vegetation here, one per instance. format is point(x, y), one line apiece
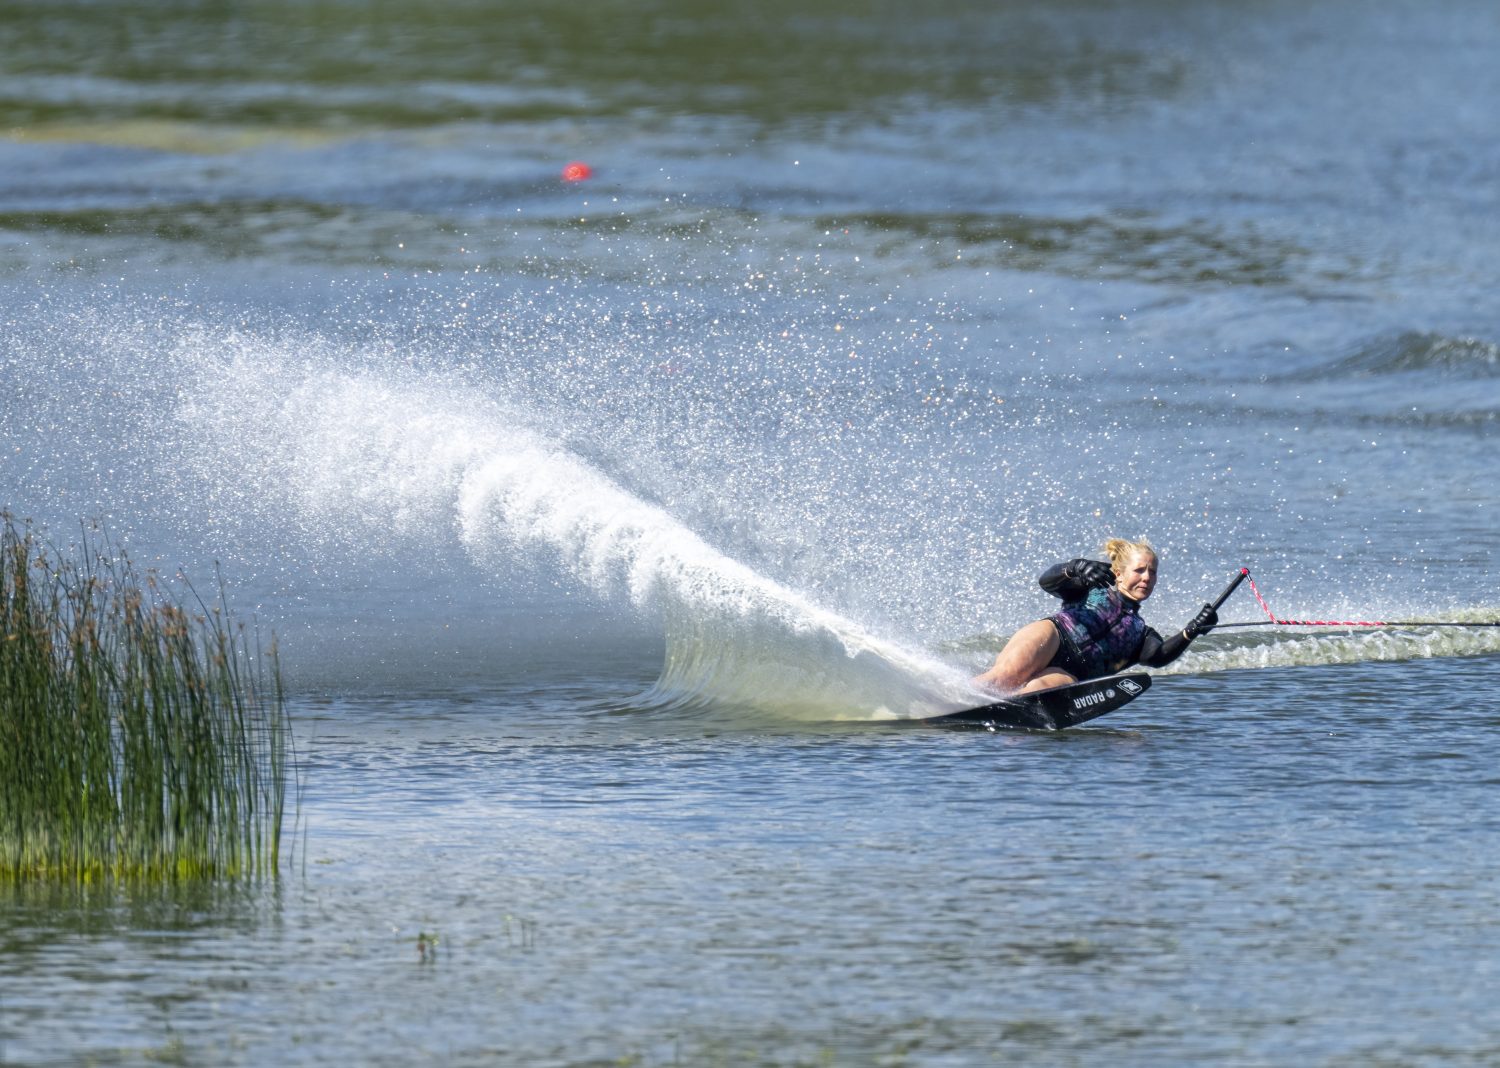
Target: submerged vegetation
point(142, 735)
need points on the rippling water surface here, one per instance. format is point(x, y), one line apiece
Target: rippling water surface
point(616, 531)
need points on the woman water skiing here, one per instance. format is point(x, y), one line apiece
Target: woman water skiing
point(1098, 631)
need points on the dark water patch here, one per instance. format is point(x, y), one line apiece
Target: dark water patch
point(1469, 421)
point(393, 64)
point(326, 233)
point(1129, 246)
point(1423, 353)
point(528, 227)
point(180, 222)
point(87, 111)
point(1335, 407)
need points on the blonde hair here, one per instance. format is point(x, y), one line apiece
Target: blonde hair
point(1120, 551)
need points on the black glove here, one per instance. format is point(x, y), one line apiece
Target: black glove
point(1202, 623)
point(1091, 573)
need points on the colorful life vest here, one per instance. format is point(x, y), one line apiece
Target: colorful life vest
point(1105, 629)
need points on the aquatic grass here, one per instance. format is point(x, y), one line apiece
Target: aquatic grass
point(142, 735)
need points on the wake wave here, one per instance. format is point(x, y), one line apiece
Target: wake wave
point(1412, 351)
point(391, 454)
point(1219, 652)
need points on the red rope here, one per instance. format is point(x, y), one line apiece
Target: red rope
point(1309, 622)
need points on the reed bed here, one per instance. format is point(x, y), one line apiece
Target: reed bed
point(143, 735)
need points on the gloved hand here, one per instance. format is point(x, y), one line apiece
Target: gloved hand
point(1091, 573)
point(1202, 623)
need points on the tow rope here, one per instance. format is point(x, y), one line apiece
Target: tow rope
point(1274, 620)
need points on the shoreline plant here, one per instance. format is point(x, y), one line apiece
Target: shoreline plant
point(141, 738)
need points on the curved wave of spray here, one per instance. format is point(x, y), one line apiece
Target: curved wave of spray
point(391, 453)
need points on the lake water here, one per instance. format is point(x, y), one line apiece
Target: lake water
point(614, 531)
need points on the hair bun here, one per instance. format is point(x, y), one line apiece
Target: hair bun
point(1118, 549)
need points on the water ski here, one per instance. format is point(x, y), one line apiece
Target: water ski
point(1058, 707)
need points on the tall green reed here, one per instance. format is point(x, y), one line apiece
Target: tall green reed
point(143, 735)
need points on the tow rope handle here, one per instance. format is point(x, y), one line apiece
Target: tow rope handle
point(1234, 584)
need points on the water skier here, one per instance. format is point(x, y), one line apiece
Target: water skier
point(1098, 631)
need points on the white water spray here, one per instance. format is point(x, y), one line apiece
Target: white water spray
point(397, 453)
